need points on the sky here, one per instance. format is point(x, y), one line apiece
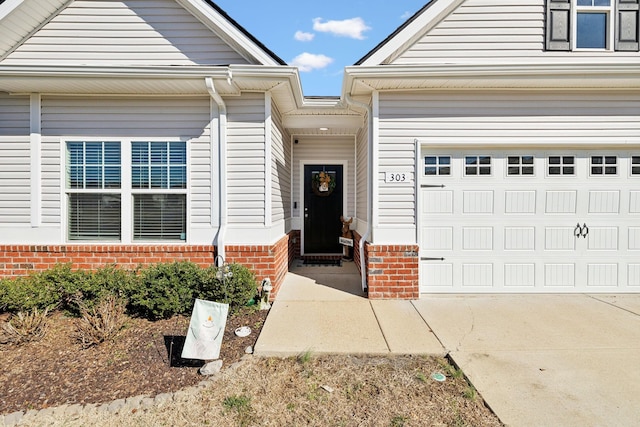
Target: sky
point(320, 37)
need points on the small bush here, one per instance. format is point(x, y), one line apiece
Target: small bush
point(101, 322)
point(63, 282)
point(25, 327)
point(237, 289)
point(95, 286)
point(163, 290)
point(26, 294)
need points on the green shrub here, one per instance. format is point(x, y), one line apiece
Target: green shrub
point(26, 294)
point(62, 282)
point(237, 289)
point(163, 290)
point(96, 285)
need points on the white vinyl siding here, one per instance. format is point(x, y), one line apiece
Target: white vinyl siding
point(246, 182)
point(280, 169)
point(115, 117)
point(15, 162)
point(15, 179)
point(14, 115)
point(478, 118)
point(362, 177)
point(135, 32)
point(480, 31)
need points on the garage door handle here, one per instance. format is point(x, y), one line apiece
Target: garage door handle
point(585, 231)
point(577, 232)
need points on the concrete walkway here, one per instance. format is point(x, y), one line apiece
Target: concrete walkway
point(323, 310)
point(537, 360)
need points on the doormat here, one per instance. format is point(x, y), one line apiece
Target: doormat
point(323, 262)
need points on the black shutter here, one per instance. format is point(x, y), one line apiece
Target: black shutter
point(558, 25)
point(627, 29)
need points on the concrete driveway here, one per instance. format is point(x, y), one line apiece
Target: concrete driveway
point(546, 360)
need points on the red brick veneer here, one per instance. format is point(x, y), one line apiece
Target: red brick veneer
point(264, 260)
point(392, 271)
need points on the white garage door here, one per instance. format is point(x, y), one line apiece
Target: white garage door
point(529, 221)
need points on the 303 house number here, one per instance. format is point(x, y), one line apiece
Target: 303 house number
point(396, 177)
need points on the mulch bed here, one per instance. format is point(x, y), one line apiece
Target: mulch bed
point(57, 370)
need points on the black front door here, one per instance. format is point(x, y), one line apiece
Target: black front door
point(323, 187)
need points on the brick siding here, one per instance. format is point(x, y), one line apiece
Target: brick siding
point(270, 261)
point(392, 271)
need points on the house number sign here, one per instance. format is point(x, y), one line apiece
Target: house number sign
point(393, 177)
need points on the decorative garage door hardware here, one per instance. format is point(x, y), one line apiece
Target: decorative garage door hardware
point(426, 258)
point(581, 231)
point(432, 186)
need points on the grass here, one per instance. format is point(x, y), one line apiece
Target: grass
point(313, 390)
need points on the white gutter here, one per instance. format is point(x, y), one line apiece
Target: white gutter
point(367, 233)
point(222, 162)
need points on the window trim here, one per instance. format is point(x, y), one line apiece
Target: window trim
point(632, 165)
point(561, 165)
point(126, 191)
point(610, 21)
point(437, 165)
point(520, 165)
point(478, 165)
point(603, 174)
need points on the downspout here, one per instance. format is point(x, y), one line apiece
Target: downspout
point(363, 239)
point(222, 161)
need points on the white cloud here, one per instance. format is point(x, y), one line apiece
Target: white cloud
point(301, 36)
point(310, 61)
point(406, 15)
point(352, 28)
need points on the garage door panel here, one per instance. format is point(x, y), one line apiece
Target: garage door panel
point(519, 238)
point(437, 202)
point(602, 275)
point(560, 239)
point(477, 202)
point(547, 232)
point(477, 238)
point(437, 275)
point(477, 275)
point(520, 202)
point(437, 238)
point(634, 202)
point(561, 202)
point(634, 239)
point(601, 202)
point(520, 275)
point(560, 275)
point(603, 239)
point(633, 275)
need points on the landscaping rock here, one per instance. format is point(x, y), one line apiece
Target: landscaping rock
point(211, 367)
point(13, 419)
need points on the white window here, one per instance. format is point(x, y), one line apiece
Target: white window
point(159, 182)
point(477, 165)
point(156, 188)
point(93, 182)
point(593, 24)
point(437, 165)
point(561, 165)
point(519, 165)
point(604, 165)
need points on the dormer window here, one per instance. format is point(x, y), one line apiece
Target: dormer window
point(592, 25)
